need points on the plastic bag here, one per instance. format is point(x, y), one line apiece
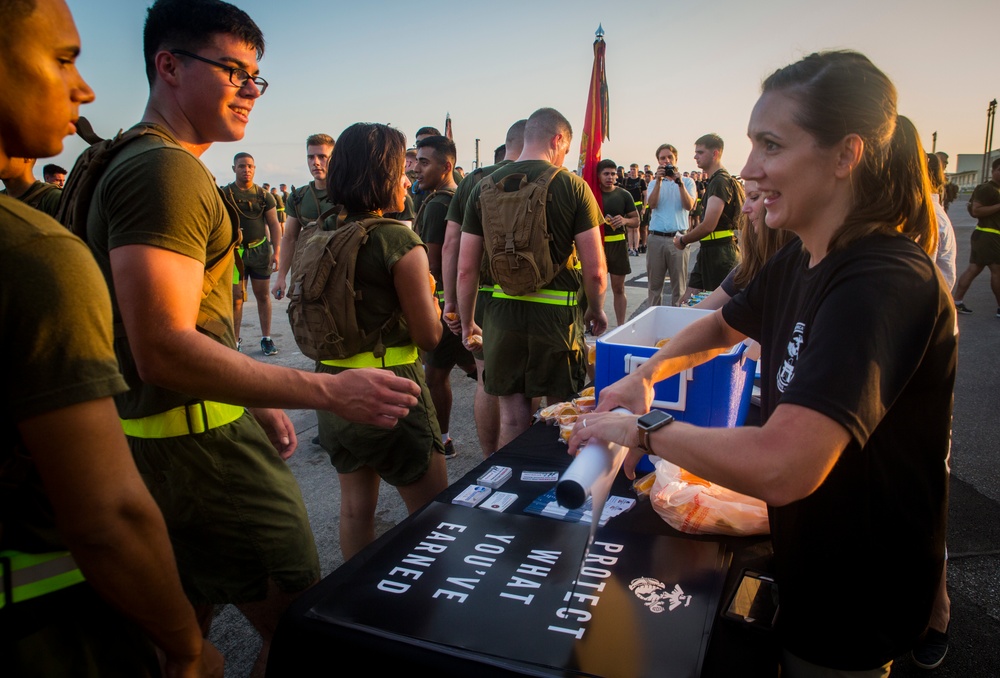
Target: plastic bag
point(695, 506)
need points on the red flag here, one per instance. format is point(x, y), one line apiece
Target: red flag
point(595, 124)
point(447, 125)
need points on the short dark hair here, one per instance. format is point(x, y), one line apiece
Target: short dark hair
point(12, 13)
point(444, 148)
point(52, 168)
point(499, 153)
point(320, 140)
point(606, 164)
point(712, 142)
point(366, 167)
point(191, 24)
point(432, 131)
point(996, 163)
point(935, 171)
point(242, 154)
point(545, 123)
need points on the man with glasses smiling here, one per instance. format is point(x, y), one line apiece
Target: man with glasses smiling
point(164, 241)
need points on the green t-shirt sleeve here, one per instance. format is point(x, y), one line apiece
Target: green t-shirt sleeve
point(456, 209)
point(472, 222)
point(57, 322)
point(588, 213)
point(722, 188)
point(269, 203)
point(292, 204)
point(167, 208)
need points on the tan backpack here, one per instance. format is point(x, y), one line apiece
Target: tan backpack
point(322, 309)
point(515, 231)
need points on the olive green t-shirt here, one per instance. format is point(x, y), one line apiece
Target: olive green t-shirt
point(571, 209)
point(56, 319)
point(251, 205)
point(456, 210)
point(156, 193)
point(617, 203)
point(988, 194)
point(430, 223)
point(42, 196)
point(724, 187)
point(307, 203)
point(386, 245)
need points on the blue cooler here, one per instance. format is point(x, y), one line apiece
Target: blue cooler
point(716, 393)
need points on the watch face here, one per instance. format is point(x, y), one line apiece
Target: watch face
point(654, 420)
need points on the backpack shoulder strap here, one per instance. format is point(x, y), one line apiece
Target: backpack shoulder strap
point(89, 168)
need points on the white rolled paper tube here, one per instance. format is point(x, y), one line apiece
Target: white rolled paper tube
point(591, 473)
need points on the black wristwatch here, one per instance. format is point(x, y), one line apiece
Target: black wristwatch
point(647, 423)
point(677, 181)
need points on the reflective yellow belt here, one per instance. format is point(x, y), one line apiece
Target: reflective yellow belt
point(614, 238)
point(553, 297)
point(718, 235)
point(196, 417)
point(29, 575)
point(987, 230)
point(638, 203)
point(257, 243)
point(486, 288)
point(394, 355)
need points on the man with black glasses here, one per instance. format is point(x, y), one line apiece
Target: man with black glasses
point(162, 236)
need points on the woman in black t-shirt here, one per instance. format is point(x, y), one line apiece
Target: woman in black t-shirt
point(857, 374)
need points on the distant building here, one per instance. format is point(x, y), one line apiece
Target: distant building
point(969, 172)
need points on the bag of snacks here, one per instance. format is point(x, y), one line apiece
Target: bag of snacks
point(695, 506)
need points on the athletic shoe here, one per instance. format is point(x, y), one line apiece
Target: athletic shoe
point(449, 449)
point(930, 650)
point(963, 309)
point(642, 250)
point(239, 344)
point(267, 346)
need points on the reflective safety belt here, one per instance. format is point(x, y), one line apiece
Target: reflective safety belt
point(987, 230)
point(394, 355)
point(614, 238)
point(718, 235)
point(196, 417)
point(29, 575)
point(257, 243)
point(486, 288)
point(552, 297)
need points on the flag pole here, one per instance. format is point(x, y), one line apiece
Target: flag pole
point(595, 126)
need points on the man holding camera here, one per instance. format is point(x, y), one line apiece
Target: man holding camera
point(670, 198)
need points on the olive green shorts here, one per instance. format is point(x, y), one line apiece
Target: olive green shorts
point(534, 349)
point(616, 254)
point(400, 455)
point(483, 300)
point(715, 261)
point(233, 510)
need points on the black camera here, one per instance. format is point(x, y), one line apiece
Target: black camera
point(669, 171)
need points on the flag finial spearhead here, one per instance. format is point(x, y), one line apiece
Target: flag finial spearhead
point(599, 33)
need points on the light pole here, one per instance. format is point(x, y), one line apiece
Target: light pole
point(991, 114)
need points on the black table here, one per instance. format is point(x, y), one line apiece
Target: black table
point(304, 645)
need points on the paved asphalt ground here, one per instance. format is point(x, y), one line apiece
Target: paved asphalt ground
point(974, 515)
